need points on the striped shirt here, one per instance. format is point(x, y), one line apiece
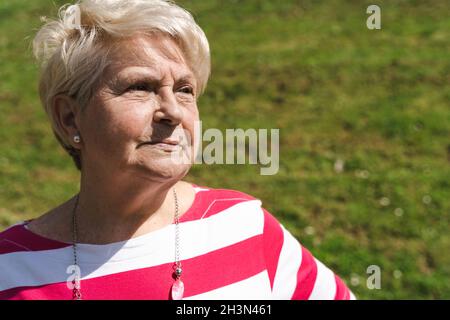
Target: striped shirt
point(230, 248)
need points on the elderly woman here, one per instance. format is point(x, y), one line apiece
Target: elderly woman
point(118, 88)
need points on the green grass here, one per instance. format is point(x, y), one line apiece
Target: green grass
point(376, 99)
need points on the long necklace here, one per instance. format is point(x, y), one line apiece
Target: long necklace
point(177, 289)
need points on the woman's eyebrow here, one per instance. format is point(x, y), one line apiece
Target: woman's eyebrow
point(186, 78)
point(146, 77)
point(141, 77)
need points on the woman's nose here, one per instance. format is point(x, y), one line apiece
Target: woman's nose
point(168, 109)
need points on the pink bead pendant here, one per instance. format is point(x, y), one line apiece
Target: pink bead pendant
point(177, 290)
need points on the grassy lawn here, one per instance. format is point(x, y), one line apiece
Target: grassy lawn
point(374, 101)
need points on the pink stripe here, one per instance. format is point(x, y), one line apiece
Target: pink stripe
point(306, 276)
point(217, 200)
point(273, 242)
point(18, 238)
point(201, 274)
point(213, 201)
point(342, 291)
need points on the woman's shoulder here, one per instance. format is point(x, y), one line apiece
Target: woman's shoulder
point(17, 238)
point(11, 238)
point(223, 194)
point(219, 202)
point(240, 207)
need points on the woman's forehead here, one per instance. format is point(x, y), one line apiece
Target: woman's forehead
point(149, 53)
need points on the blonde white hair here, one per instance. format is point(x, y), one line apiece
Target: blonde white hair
point(72, 49)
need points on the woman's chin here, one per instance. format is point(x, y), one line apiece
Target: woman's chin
point(164, 167)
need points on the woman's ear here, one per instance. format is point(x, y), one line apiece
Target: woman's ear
point(65, 110)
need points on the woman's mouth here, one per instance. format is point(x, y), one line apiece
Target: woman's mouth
point(165, 144)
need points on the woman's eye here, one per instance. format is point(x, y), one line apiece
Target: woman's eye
point(187, 90)
point(138, 87)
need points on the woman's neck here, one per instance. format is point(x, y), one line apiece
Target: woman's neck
point(108, 213)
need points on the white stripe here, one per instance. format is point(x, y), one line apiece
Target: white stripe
point(325, 284)
point(237, 223)
point(254, 288)
point(198, 189)
point(352, 296)
point(289, 262)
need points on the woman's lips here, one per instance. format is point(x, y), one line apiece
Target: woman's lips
point(166, 144)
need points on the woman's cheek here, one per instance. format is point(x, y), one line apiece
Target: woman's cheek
point(131, 122)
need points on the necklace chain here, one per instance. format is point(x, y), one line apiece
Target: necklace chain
point(76, 282)
point(177, 266)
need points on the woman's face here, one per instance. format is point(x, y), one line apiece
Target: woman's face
point(144, 106)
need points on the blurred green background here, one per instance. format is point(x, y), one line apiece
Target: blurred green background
point(364, 123)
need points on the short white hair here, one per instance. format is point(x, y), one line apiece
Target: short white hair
point(73, 57)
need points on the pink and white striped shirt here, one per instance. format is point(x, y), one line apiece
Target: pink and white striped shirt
point(231, 248)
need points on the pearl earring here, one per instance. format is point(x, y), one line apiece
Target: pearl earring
point(76, 138)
